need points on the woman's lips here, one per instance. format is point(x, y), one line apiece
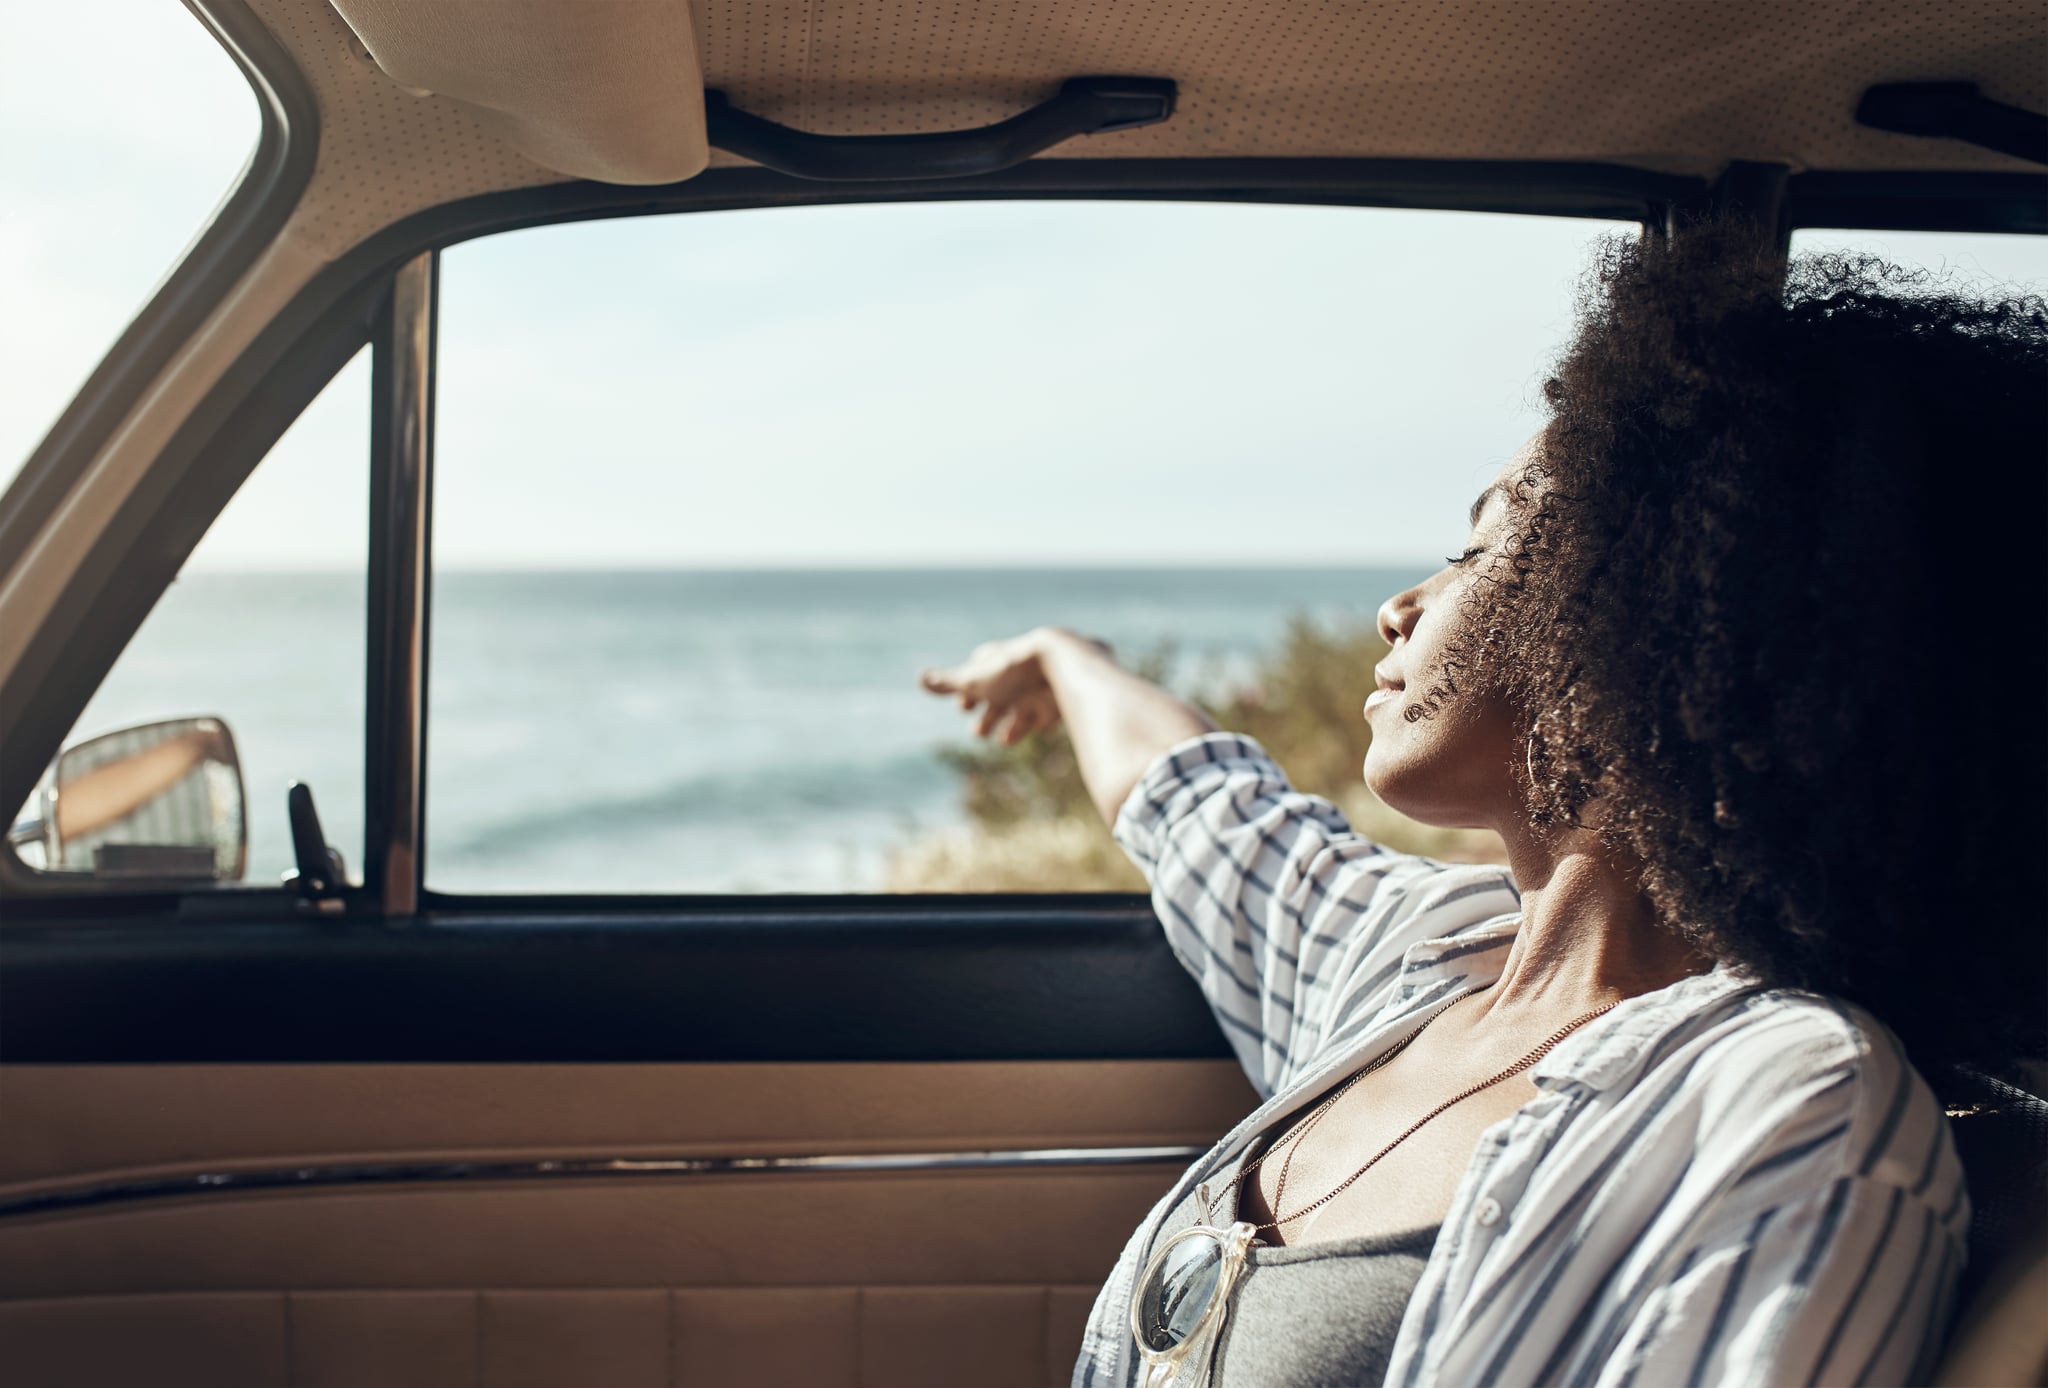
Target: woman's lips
point(1388, 688)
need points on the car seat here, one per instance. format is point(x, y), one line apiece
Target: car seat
point(2001, 1330)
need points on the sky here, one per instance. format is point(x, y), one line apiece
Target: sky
point(884, 386)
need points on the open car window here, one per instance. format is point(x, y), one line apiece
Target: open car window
point(711, 489)
point(247, 676)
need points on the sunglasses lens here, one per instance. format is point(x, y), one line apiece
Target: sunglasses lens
point(1178, 1289)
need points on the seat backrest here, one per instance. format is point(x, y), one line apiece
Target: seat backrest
point(2001, 1135)
point(2001, 1334)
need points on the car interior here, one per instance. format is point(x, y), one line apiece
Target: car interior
point(352, 1130)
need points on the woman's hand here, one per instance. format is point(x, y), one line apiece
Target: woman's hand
point(1007, 681)
point(1118, 722)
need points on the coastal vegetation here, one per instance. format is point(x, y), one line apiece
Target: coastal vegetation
point(1031, 826)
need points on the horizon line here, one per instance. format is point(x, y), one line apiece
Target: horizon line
point(1091, 566)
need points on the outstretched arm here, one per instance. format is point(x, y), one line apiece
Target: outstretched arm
point(1119, 722)
point(1248, 875)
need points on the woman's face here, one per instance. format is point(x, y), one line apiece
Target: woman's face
point(1453, 767)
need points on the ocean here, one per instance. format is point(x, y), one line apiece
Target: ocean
point(673, 731)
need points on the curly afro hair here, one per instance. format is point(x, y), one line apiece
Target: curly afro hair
point(1773, 622)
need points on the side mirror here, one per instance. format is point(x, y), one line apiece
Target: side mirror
point(161, 800)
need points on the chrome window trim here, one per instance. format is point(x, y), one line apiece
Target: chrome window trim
point(402, 470)
point(89, 1195)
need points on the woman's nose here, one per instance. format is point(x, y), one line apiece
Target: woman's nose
point(1397, 615)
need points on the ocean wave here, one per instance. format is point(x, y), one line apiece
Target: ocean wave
point(906, 786)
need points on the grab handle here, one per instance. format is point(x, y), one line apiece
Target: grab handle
point(1955, 111)
point(1084, 106)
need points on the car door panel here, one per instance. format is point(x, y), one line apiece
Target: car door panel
point(108, 1125)
point(126, 1232)
point(551, 1146)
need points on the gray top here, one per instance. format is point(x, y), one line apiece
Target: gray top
point(1321, 1314)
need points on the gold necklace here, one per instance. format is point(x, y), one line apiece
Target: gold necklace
point(1293, 1138)
point(1184, 1292)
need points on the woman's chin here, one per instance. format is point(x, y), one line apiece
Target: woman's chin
point(1419, 796)
point(1384, 779)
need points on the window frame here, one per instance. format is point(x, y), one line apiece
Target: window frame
point(1582, 192)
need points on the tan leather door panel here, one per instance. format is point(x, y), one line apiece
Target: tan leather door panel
point(409, 1255)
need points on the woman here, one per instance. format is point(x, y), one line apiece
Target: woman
point(1743, 661)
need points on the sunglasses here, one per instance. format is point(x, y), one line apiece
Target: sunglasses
point(1182, 1298)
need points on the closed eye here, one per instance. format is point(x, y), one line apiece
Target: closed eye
point(1471, 553)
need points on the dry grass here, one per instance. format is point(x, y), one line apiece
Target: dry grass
point(1045, 855)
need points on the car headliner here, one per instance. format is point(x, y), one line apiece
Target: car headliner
point(1678, 86)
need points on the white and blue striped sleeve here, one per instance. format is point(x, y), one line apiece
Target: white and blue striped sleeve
point(1293, 924)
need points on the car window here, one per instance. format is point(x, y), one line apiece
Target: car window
point(122, 125)
point(248, 675)
point(711, 489)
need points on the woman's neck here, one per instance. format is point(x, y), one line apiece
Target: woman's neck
point(1589, 935)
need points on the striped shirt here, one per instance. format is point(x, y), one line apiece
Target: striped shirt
point(1718, 1183)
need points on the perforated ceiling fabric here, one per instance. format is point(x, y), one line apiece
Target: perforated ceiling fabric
point(384, 153)
point(1678, 85)
point(1682, 86)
